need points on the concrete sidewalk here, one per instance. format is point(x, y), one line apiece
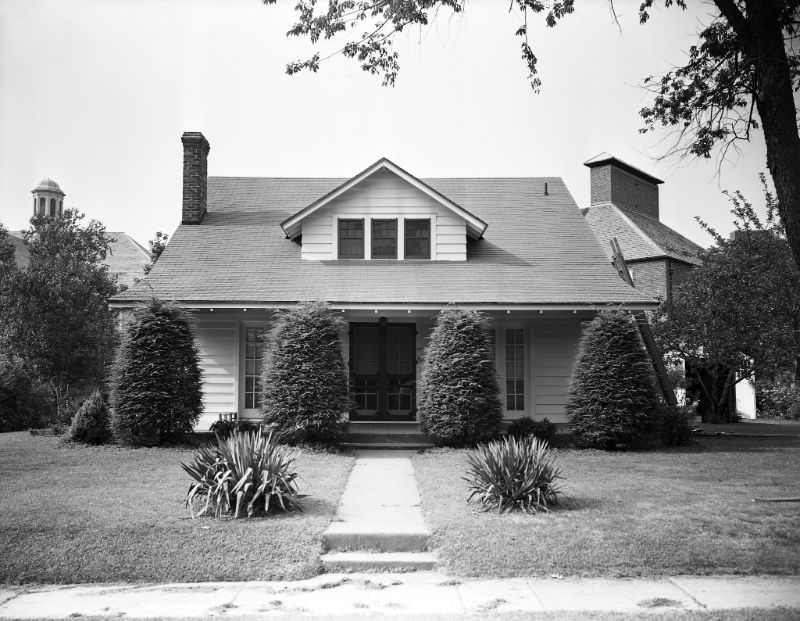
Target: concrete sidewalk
point(421, 594)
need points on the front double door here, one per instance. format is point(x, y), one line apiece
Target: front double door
point(383, 370)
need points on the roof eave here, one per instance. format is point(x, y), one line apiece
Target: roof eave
point(292, 225)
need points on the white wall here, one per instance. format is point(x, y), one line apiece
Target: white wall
point(217, 340)
point(384, 195)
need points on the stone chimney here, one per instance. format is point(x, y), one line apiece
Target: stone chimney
point(617, 182)
point(195, 176)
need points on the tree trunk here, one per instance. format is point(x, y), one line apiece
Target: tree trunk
point(775, 105)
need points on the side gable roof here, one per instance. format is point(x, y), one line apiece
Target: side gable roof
point(640, 236)
point(537, 251)
point(475, 226)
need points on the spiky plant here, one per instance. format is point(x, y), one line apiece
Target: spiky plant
point(247, 469)
point(513, 474)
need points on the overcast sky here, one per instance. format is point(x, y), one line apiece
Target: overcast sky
point(96, 93)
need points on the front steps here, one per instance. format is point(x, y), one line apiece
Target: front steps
point(379, 524)
point(385, 436)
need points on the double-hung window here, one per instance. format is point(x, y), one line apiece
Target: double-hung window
point(384, 239)
point(351, 238)
point(417, 238)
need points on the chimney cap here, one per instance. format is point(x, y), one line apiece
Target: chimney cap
point(604, 159)
point(195, 137)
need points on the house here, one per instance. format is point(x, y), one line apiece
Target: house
point(126, 257)
point(388, 250)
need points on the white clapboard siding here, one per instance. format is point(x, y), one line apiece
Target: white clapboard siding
point(216, 340)
point(384, 195)
point(555, 346)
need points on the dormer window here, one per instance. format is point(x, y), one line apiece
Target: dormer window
point(384, 239)
point(418, 238)
point(351, 238)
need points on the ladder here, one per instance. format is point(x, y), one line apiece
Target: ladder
point(618, 259)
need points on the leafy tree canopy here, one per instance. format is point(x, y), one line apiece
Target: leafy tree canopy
point(157, 245)
point(740, 311)
point(55, 312)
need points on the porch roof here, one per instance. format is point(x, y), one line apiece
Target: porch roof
point(538, 251)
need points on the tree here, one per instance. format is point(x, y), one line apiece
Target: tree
point(738, 313)
point(458, 394)
point(741, 75)
point(612, 400)
point(157, 245)
point(55, 312)
point(305, 379)
point(156, 379)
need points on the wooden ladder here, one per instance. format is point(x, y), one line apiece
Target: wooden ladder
point(645, 331)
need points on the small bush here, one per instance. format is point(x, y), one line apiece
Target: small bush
point(305, 379)
point(155, 378)
point(224, 428)
point(612, 401)
point(778, 398)
point(513, 474)
point(676, 424)
point(24, 404)
point(458, 397)
point(526, 426)
point(90, 423)
point(248, 469)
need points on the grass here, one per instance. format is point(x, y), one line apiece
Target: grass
point(682, 511)
point(109, 514)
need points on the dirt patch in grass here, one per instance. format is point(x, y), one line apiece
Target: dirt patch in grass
point(687, 511)
point(107, 514)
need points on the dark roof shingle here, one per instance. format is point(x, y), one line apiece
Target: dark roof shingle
point(537, 249)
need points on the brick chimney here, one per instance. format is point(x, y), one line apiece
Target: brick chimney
point(195, 176)
point(615, 181)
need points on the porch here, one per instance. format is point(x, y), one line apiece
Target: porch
point(533, 351)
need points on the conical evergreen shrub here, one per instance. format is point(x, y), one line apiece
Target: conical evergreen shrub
point(305, 379)
point(156, 378)
point(459, 403)
point(612, 401)
point(90, 423)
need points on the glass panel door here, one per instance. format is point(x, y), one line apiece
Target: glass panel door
point(383, 371)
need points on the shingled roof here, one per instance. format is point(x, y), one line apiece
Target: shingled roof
point(640, 237)
point(537, 250)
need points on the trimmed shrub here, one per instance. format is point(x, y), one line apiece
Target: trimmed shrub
point(526, 426)
point(90, 423)
point(248, 469)
point(512, 474)
point(612, 401)
point(23, 403)
point(458, 396)
point(155, 378)
point(305, 379)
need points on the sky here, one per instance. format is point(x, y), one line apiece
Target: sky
point(95, 94)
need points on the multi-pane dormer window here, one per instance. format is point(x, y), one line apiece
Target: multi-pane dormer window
point(351, 238)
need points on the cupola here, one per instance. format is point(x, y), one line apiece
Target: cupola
point(48, 199)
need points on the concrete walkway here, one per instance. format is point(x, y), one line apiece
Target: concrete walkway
point(413, 595)
point(379, 523)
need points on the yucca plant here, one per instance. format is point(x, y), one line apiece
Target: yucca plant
point(247, 469)
point(513, 474)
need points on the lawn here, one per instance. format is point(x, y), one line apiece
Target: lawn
point(108, 514)
point(682, 511)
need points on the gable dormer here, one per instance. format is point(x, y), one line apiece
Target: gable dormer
point(384, 213)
